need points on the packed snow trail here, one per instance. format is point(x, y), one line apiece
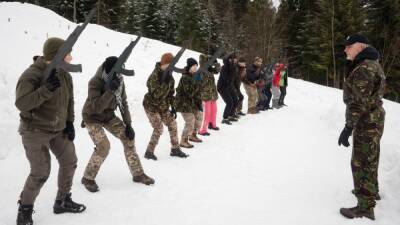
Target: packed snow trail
point(279, 167)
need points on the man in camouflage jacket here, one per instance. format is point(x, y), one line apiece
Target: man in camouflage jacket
point(98, 113)
point(188, 103)
point(159, 105)
point(363, 91)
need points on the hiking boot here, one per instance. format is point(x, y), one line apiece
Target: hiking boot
point(150, 155)
point(144, 179)
point(204, 133)
point(232, 119)
point(252, 110)
point(194, 138)
point(226, 121)
point(177, 152)
point(185, 143)
point(357, 212)
point(67, 205)
point(90, 185)
point(24, 216)
point(210, 126)
point(377, 196)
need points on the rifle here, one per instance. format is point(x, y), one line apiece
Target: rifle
point(171, 66)
point(211, 61)
point(118, 69)
point(118, 66)
point(58, 60)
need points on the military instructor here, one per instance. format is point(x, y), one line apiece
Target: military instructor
point(363, 91)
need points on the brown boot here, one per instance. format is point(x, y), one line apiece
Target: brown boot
point(357, 212)
point(90, 185)
point(194, 138)
point(144, 179)
point(185, 143)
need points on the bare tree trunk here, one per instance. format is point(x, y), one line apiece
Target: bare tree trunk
point(98, 11)
point(75, 20)
point(333, 44)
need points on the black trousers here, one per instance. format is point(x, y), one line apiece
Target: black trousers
point(231, 100)
point(268, 93)
point(283, 94)
point(240, 98)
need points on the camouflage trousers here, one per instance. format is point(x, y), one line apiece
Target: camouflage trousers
point(192, 123)
point(157, 120)
point(37, 146)
point(365, 157)
point(117, 128)
point(251, 92)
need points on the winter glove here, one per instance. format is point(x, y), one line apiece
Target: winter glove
point(344, 136)
point(129, 132)
point(173, 112)
point(200, 107)
point(114, 84)
point(52, 82)
point(70, 131)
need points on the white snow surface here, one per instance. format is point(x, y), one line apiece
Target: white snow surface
point(281, 167)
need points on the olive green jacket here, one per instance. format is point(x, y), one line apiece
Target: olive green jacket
point(41, 109)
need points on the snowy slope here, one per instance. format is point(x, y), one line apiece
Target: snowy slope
point(280, 167)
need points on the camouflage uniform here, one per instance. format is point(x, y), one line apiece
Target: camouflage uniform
point(208, 90)
point(98, 113)
point(362, 93)
point(188, 102)
point(156, 102)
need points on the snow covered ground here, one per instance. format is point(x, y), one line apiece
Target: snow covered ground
point(281, 167)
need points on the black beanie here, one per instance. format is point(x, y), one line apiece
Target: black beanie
point(190, 62)
point(109, 63)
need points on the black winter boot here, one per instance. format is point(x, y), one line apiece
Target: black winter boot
point(210, 126)
point(177, 152)
point(67, 205)
point(226, 121)
point(150, 155)
point(24, 216)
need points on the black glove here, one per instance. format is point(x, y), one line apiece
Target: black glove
point(52, 82)
point(173, 112)
point(344, 136)
point(114, 84)
point(70, 130)
point(129, 132)
point(200, 107)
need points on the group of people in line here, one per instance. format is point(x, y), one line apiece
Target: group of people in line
point(46, 106)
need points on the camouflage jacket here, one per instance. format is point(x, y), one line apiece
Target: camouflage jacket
point(160, 95)
point(188, 94)
point(101, 102)
point(208, 89)
point(40, 108)
point(364, 87)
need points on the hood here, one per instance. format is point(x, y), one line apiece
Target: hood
point(368, 53)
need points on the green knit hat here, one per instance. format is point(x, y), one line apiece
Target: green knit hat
point(50, 47)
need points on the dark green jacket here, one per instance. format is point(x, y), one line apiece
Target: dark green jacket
point(188, 94)
point(101, 102)
point(160, 95)
point(364, 87)
point(40, 108)
point(208, 88)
